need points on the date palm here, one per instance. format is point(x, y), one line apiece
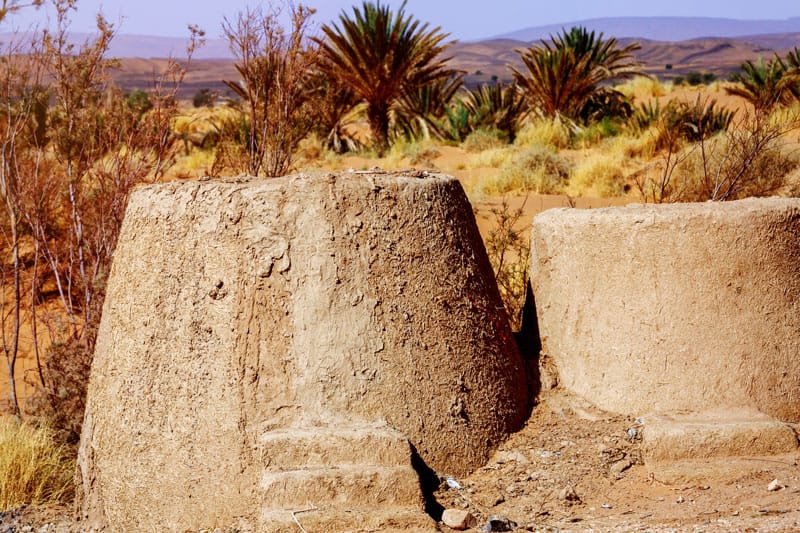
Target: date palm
point(496, 106)
point(766, 84)
point(381, 55)
point(419, 114)
point(563, 76)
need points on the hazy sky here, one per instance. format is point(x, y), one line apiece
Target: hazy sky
point(464, 19)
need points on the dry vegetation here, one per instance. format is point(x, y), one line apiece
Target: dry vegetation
point(73, 146)
point(33, 469)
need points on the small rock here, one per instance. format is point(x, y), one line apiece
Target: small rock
point(607, 506)
point(453, 484)
point(619, 467)
point(458, 519)
point(680, 499)
point(774, 485)
point(632, 434)
point(512, 456)
point(498, 522)
point(568, 494)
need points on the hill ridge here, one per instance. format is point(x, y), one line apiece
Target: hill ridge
point(671, 29)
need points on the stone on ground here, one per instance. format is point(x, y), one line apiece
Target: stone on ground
point(458, 519)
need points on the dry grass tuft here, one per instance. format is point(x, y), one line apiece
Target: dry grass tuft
point(492, 157)
point(629, 145)
point(546, 132)
point(598, 174)
point(644, 88)
point(480, 140)
point(34, 470)
point(536, 169)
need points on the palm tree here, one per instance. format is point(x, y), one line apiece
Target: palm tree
point(563, 77)
point(382, 55)
point(496, 106)
point(419, 114)
point(336, 108)
point(766, 84)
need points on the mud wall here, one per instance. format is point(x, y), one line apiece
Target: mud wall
point(673, 307)
point(238, 307)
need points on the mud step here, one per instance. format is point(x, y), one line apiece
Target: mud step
point(345, 487)
point(357, 520)
point(685, 447)
point(320, 447)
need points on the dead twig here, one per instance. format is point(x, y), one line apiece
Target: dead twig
point(299, 511)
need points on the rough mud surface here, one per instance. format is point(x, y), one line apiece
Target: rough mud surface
point(678, 307)
point(568, 444)
point(239, 308)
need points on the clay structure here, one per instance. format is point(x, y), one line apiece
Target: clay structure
point(673, 307)
point(687, 314)
point(283, 344)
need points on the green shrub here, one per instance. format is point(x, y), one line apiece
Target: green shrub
point(203, 98)
point(596, 132)
point(682, 121)
point(694, 78)
point(139, 101)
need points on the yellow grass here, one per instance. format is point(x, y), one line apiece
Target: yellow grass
point(643, 88)
point(537, 169)
point(33, 469)
point(632, 146)
point(202, 120)
point(196, 163)
point(491, 158)
point(547, 132)
point(598, 174)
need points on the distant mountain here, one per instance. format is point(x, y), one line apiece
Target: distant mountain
point(663, 28)
point(148, 46)
point(769, 34)
point(670, 47)
point(142, 46)
point(485, 61)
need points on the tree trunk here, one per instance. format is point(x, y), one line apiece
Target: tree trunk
point(378, 115)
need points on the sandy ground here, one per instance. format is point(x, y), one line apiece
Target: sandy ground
point(561, 473)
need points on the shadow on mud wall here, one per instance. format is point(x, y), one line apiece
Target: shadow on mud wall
point(529, 343)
